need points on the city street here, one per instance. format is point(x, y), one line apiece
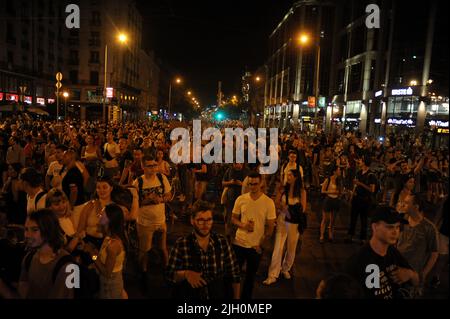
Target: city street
point(313, 263)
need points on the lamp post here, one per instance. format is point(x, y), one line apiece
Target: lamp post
point(177, 81)
point(122, 38)
point(66, 95)
point(304, 39)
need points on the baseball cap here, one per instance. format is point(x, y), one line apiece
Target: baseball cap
point(387, 215)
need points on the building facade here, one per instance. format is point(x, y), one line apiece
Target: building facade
point(31, 53)
point(94, 47)
point(375, 80)
point(291, 66)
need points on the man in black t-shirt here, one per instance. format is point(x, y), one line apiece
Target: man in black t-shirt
point(364, 188)
point(72, 182)
point(379, 267)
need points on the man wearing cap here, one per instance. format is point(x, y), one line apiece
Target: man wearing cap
point(379, 267)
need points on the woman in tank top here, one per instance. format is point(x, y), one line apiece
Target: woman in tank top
point(332, 189)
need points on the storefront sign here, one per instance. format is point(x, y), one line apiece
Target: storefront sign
point(407, 91)
point(109, 92)
point(1, 96)
point(377, 121)
point(443, 130)
point(311, 101)
point(51, 101)
point(378, 93)
point(12, 97)
point(438, 123)
point(40, 101)
point(306, 119)
point(400, 121)
point(322, 101)
point(28, 99)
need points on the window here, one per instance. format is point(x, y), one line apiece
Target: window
point(96, 18)
point(355, 78)
point(94, 57)
point(10, 34)
point(95, 39)
point(353, 107)
point(73, 76)
point(94, 78)
point(10, 57)
point(73, 57)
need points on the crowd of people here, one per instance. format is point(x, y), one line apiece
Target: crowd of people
point(95, 196)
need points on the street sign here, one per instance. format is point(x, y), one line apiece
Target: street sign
point(59, 76)
point(109, 92)
point(58, 85)
point(311, 101)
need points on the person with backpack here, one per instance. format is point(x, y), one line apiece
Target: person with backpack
point(110, 260)
point(154, 191)
point(203, 265)
point(32, 185)
point(43, 274)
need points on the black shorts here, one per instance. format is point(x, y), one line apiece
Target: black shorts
point(331, 204)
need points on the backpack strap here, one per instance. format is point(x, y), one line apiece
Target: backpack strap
point(37, 198)
point(160, 178)
point(140, 186)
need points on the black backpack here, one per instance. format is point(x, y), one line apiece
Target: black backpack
point(89, 280)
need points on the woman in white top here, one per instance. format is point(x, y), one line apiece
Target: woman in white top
point(57, 201)
point(332, 189)
point(290, 222)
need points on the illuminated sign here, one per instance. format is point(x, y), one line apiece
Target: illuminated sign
point(438, 123)
point(407, 91)
point(40, 101)
point(378, 93)
point(51, 101)
point(27, 99)
point(306, 119)
point(443, 131)
point(311, 101)
point(1, 96)
point(109, 92)
point(400, 121)
point(377, 121)
point(322, 101)
point(12, 97)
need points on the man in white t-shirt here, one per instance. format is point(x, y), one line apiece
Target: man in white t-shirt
point(154, 191)
point(53, 178)
point(251, 212)
point(32, 185)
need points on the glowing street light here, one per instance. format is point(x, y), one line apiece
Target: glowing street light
point(304, 38)
point(65, 95)
point(122, 37)
point(258, 79)
point(413, 82)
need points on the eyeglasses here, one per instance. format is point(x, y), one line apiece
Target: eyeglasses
point(202, 221)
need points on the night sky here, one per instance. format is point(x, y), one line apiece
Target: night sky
point(208, 41)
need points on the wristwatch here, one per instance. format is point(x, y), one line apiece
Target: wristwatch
point(94, 257)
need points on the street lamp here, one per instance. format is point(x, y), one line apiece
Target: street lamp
point(122, 38)
point(304, 39)
point(177, 81)
point(66, 95)
point(413, 82)
point(258, 79)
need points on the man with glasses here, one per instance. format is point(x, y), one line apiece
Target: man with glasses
point(251, 212)
point(202, 265)
point(154, 191)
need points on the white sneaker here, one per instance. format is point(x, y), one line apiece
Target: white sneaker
point(269, 281)
point(287, 275)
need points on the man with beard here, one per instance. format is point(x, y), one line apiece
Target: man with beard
point(202, 265)
point(37, 279)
